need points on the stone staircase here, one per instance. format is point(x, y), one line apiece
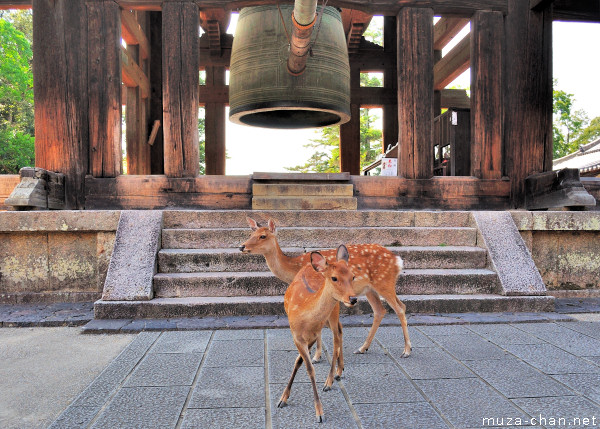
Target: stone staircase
point(303, 191)
point(201, 272)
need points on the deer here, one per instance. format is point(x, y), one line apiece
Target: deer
point(375, 268)
point(309, 303)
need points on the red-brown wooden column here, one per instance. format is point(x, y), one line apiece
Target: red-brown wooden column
point(415, 92)
point(214, 123)
point(60, 92)
point(487, 35)
point(390, 83)
point(104, 86)
point(180, 25)
point(350, 131)
point(528, 94)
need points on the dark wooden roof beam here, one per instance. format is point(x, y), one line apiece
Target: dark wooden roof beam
point(453, 64)
point(576, 10)
point(446, 29)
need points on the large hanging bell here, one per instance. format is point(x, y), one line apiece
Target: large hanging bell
point(261, 91)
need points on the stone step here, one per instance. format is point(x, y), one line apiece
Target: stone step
point(192, 219)
point(273, 305)
point(304, 203)
point(297, 189)
point(419, 282)
point(214, 260)
point(322, 237)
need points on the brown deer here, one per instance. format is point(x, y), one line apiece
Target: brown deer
point(310, 302)
point(375, 268)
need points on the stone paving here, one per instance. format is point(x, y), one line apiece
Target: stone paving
point(543, 375)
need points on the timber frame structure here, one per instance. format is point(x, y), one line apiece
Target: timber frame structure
point(83, 76)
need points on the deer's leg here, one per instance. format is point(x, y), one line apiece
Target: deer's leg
point(319, 349)
point(305, 354)
point(400, 309)
point(378, 313)
point(336, 328)
point(286, 393)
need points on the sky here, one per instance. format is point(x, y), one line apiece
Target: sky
point(576, 66)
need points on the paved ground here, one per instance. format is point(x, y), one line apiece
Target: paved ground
point(457, 376)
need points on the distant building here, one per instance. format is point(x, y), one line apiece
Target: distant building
point(586, 159)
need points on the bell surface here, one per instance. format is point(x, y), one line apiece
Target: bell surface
point(263, 93)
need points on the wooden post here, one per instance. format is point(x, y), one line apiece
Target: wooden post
point(60, 93)
point(136, 116)
point(528, 95)
point(390, 83)
point(214, 145)
point(350, 131)
point(487, 35)
point(180, 87)
point(157, 162)
point(415, 92)
point(104, 86)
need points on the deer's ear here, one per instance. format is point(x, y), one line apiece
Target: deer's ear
point(342, 253)
point(252, 223)
point(272, 226)
point(318, 262)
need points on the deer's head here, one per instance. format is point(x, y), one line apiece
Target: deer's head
point(338, 276)
point(262, 240)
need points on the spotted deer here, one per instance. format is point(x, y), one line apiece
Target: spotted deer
point(375, 268)
point(310, 302)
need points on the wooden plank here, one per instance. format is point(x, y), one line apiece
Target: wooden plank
point(8, 182)
point(576, 10)
point(104, 85)
point(415, 92)
point(457, 98)
point(453, 64)
point(219, 94)
point(133, 34)
point(446, 29)
point(486, 94)
point(215, 121)
point(60, 36)
point(155, 99)
point(527, 102)
point(180, 23)
point(379, 7)
point(132, 74)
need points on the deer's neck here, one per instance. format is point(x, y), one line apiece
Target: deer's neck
point(283, 266)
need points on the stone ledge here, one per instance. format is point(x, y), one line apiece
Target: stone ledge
point(556, 221)
point(59, 221)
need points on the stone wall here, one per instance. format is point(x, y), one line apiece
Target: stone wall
point(566, 249)
point(48, 256)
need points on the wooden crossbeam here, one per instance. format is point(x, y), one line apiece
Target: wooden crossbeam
point(453, 64)
point(214, 37)
point(132, 33)
point(445, 30)
point(132, 75)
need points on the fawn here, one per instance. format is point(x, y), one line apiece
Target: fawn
point(375, 267)
point(309, 303)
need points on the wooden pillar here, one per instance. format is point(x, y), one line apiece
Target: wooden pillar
point(528, 94)
point(60, 92)
point(104, 85)
point(214, 131)
point(390, 83)
point(350, 131)
point(487, 35)
point(157, 158)
point(415, 92)
point(180, 87)
point(136, 116)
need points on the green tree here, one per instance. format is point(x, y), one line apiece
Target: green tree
point(16, 99)
point(589, 133)
point(567, 124)
point(201, 141)
point(326, 155)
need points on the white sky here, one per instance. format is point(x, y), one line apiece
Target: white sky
point(576, 65)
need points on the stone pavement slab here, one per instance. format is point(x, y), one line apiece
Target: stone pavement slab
point(458, 376)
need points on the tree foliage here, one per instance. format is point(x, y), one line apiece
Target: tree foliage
point(16, 93)
point(326, 155)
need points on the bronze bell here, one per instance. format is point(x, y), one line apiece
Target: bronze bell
point(263, 93)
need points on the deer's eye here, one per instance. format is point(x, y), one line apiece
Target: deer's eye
point(263, 237)
point(353, 277)
point(334, 279)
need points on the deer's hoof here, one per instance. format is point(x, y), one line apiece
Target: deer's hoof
point(281, 404)
point(338, 377)
point(405, 354)
point(326, 388)
point(319, 419)
point(360, 352)
point(316, 360)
